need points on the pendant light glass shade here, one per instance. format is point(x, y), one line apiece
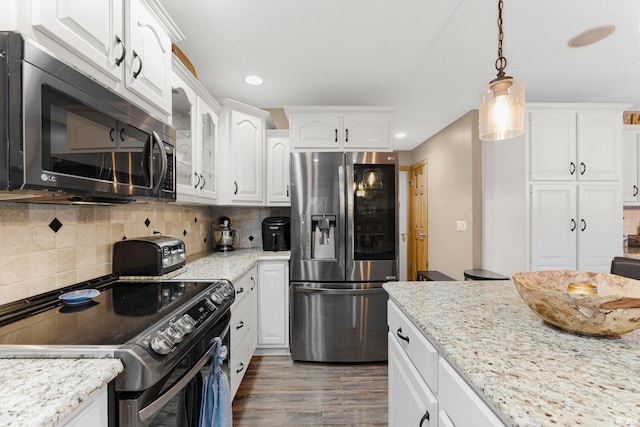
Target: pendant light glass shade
point(502, 109)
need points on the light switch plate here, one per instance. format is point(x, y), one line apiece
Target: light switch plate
point(461, 225)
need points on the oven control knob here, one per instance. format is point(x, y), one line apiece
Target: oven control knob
point(161, 344)
point(175, 332)
point(186, 323)
point(217, 297)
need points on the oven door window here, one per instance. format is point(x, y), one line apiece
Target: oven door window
point(79, 140)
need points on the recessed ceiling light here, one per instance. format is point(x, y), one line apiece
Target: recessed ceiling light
point(253, 80)
point(400, 135)
point(591, 36)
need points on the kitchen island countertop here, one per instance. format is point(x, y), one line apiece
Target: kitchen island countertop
point(228, 265)
point(530, 373)
point(44, 392)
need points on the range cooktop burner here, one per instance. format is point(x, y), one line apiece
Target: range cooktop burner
point(116, 316)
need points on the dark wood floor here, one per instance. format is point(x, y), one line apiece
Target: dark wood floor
point(279, 392)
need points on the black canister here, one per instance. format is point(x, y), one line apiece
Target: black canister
point(276, 234)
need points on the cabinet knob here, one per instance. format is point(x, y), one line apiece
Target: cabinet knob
point(137, 73)
point(402, 337)
point(424, 418)
point(124, 52)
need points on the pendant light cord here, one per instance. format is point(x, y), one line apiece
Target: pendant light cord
point(501, 62)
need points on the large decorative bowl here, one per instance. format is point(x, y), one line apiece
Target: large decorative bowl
point(565, 299)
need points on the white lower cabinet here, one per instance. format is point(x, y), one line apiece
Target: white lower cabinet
point(411, 402)
point(243, 328)
point(424, 390)
point(273, 307)
point(575, 227)
point(93, 412)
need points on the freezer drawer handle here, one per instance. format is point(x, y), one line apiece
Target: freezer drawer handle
point(425, 417)
point(404, 338)
point(342, 291)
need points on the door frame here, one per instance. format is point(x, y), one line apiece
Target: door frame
point(411, 246)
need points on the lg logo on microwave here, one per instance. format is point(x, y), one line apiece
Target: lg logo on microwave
point(47, 178)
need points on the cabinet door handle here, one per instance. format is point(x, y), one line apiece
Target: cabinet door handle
point(197, 179)
point(336, 140)
point(124, 51)
point(239, 291)
point(112, 135)
point(203, 181)
point(235, 186)
point(424, 418)
point(240, 325)
point(635, 190)
point(583, 168)
point(402, 337)
point(573, 224)
point(287, 186)
point(240, 369)
point(346, 131)
point(137, 73)
point(584, 224)
point(253, 283)
point(572, 168)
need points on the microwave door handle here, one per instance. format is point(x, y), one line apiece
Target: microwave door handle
point(165, 162)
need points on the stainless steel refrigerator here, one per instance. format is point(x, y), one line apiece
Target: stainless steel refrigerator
point(344, 229)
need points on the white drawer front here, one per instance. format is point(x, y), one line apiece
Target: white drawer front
point(240, 321)
point(455, 395)
point(240, 358)
point(423, 355)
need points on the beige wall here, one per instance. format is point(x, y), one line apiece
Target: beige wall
point(35, 259)
point(454, 182)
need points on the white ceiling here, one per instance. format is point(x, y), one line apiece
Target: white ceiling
point(427, 58)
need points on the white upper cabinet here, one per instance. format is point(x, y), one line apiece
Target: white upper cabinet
point(630, 184)
point(277, 168)
point(123, 44)
point(148, 60)
point(573, 145)
point(333, 128)
point(195, 118)
point(92, 29)
point(242, 149)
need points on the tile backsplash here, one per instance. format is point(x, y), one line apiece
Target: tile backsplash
point(631, 222)
point(46, 247)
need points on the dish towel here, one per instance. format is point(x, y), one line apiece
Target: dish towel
point(216, 410)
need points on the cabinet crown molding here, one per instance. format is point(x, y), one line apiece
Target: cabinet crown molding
point(337, 109)
point(577, 107)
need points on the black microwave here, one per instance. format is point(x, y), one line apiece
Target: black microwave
point(64, 137)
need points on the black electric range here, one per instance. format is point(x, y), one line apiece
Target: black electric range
point(149, 325)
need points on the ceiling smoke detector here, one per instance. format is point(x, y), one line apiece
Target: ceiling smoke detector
point(592, 35)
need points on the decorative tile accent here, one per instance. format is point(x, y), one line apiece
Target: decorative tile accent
point(251, 238)
point(147, 222)
point(55, 225)
point(195, 219)
point(184, 232)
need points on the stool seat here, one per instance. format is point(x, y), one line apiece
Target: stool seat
point(433, 276)
point(480, 274)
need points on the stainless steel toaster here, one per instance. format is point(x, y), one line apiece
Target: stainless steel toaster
point(148, 256)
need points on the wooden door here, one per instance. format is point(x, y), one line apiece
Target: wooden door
point(418, 255)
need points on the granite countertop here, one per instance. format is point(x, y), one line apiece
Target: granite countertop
point(43, 392)
point(531, 373)
point(229, 265)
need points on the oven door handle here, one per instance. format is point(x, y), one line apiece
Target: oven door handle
point(149, 410)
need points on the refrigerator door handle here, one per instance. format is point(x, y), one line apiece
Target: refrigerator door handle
point(327, 291)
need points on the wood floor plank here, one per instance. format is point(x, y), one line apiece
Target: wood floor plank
point(277, 391)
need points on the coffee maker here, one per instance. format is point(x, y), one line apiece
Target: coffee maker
point(225, 236)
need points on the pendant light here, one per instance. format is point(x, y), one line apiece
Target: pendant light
point(502, 104)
